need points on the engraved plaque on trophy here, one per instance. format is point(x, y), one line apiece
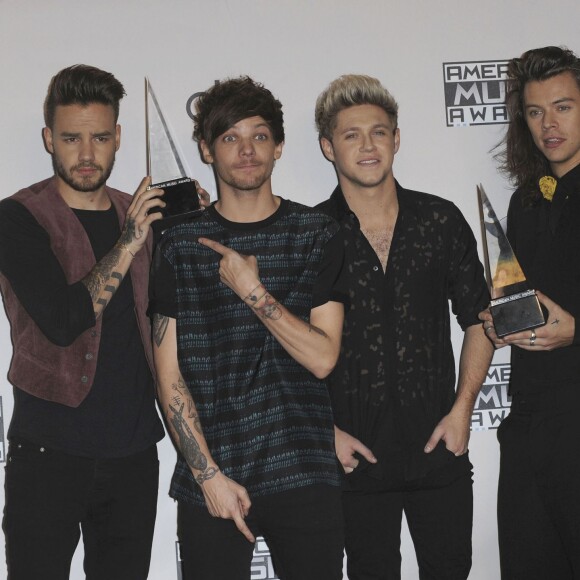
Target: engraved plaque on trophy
point(166, 168)
point(514, 305)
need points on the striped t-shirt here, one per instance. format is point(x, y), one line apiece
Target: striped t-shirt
point(267, 420)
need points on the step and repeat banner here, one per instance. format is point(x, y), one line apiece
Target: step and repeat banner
point(445, 63)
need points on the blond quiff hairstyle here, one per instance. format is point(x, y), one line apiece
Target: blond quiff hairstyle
point(347, 91)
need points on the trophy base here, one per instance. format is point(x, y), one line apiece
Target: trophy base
point(182, 204)
point(516, 312)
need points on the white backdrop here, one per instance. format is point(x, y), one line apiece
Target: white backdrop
point(295, 48)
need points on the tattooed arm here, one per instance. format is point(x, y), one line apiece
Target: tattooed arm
point(105, 278)
point(314, 344)
point(224, 497)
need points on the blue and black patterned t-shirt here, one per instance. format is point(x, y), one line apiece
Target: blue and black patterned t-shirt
point(267, 420)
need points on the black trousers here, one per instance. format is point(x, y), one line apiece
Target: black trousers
point(51, 496)
point(440, 522)
point(539, 488)
point(303, 529)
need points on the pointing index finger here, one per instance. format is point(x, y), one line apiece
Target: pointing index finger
point(213, 245)
point(243, 528)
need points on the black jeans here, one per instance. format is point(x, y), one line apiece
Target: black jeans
point(303, 529)
point(51, 496)
point(440, 522)
point(539, 487)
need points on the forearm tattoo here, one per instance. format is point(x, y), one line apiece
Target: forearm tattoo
point(187, 442)
point(182, 391)
point(205, 475)
point(103, 280)
point(269, 308)
point(160, 324)
point(195, 417)
point(263, 303)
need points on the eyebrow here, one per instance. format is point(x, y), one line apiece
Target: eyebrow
point(357, 128)
point(101, 134)
point(556, 102)
point(254, 127)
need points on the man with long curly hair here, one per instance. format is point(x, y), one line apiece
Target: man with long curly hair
point(538, 505)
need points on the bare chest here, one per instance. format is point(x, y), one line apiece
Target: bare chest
point(380, 239)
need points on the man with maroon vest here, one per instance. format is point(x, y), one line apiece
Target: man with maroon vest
point(74, 262)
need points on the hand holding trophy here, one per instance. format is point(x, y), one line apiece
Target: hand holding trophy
point(514, 305)
point(166, 168)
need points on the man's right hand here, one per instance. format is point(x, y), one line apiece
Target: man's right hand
point(228, 500)
point(346, 447)
point(140, 217)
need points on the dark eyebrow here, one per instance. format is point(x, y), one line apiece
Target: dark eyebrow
point(101, 134)
point(556, 102)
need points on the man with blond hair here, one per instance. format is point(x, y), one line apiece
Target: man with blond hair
point(401, 430)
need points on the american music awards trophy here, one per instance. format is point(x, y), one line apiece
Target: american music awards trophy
point(514, 305)
point(166, 168)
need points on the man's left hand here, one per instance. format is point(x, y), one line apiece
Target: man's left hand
point(454, 430)
point(556, 333)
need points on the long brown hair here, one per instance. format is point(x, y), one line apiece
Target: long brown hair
point(517, 154)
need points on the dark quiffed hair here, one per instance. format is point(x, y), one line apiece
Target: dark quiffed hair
point(518, 155)
point(230, 101)
point(81, 84)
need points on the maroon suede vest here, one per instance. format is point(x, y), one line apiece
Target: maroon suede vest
point(65, 374)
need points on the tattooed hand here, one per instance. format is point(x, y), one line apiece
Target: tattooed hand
point(140, 217)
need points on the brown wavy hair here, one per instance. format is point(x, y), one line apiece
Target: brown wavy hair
point(232, 100)
point(518, 156)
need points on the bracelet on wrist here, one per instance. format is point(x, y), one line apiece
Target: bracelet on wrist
point(124, 247)
point(249, 296)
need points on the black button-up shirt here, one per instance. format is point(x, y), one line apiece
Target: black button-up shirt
point(546, 240)
point(395, 378)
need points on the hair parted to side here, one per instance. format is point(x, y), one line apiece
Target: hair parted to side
point(232, 100)
point(518, 155)
point(347, 91)
point(81, 84)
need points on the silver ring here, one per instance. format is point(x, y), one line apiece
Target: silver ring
point(533, 338)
